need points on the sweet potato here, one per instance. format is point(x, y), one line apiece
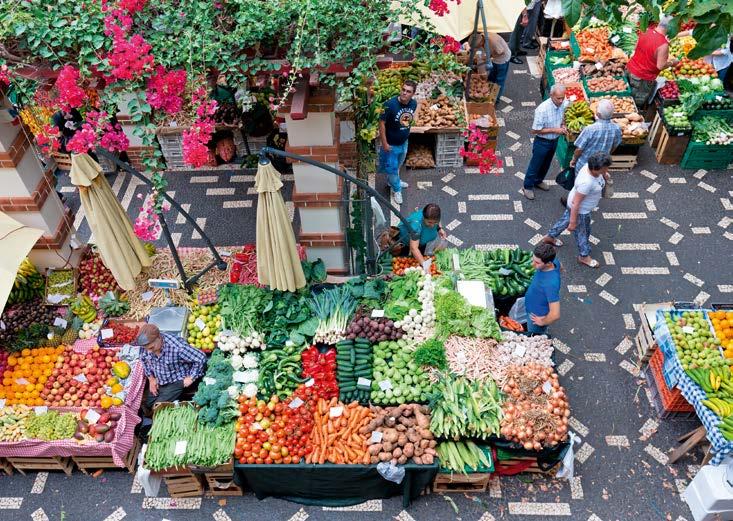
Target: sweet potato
point(422, 420)
point(402, 460)
point(408, 450)
point(417, 460)
point(402, 440)
point(385, 456)
point(375, 449)
point(427, 459)
point(397, 452)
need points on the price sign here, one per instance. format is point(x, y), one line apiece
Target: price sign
point(385, 385)
point(688, 330)
point(147, 296)
point(590, 49)
point(107, 333)
point(81, 377)
point(55, 298)
point(678, 114)
point(377, 313)
point(209, 380)
point(60, 322)
point(599, 65)
point(363, 382)
point(461, 356)
point(225, 253)
point(519, 350)
point(256, 426)
point(335, 412)
point(615, 39)
point(200, 324)
point(40, 409)
point(2, 403)
point(297, 402)
point(180, 448)
point(573, 97)
point(110, 295)
point(576, 65)
point(92, 416)
point(2, 325)
point(376, 437)
point(310, 383)
point(21, 381)
point(239, 377)
point(547, 387)
point(627, 30)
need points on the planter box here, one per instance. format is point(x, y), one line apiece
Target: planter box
point(484, 109)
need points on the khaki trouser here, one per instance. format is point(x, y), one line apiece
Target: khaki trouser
point(641, 90)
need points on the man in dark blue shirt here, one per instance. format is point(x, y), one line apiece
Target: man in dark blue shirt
point(394, 130)
point(542, 299)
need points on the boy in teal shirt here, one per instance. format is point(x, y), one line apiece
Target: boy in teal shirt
point(426, 223)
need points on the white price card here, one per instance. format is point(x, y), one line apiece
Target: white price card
point(56, 298)
point(239, 377)
point(180, 448)
point(376, 437)
point(92, 416)
point(209, 380)
point(678, 114)
point(310, 382)
point(40, 409)
point(615, 39)
point(385, 385)
point(519, 350)
point(81, 377)
point(200, 324)
point(147, 296)
point(21, 381)
point(590, 49)
point(599, 65)
point(547, 387)
point(2, 403)
point(573, 97)
point(297, 402)
point(377, 313)
point(363, 382)
point(2, 325)
point(225, 253)
point(335, 412)
point(256, 426)
point(461, 356)
point(688, 329)
point(110, 295)
point(107, 333)
point(627, 29)
point(60, 322)
point(576, 65)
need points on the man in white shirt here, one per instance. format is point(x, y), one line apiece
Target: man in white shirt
point(582, 200)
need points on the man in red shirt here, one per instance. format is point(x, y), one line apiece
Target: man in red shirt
point(650, 57)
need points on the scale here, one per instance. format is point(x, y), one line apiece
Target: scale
point(169, 319)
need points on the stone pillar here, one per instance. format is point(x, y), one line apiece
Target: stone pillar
point(27, 195)
point(318, 195)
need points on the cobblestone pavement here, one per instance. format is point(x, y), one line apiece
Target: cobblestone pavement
point(666, 235)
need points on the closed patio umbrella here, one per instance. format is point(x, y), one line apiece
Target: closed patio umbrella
point(16, 240)
point(278, 264)
point(120, 249)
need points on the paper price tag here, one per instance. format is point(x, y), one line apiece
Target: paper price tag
point(200, 324)
point(209, 380)
point(180, 449)
point(81, 377)
point(225, 253)
point(688, 329)
point(505, 272)
point(310, 383)
point(519, 350)
point(110, 295)
point(363, 382)
point(376, 437)
point(461, 356)
point(547, 387)
point(60, 322)
point(590, 49)
point(256, 426)
point(297, 402)
point(335, 412)
point(239, 377)
point(678, 114)
point(55, 298)
point(92, 416)
point(377, 313)
point(2, 403)
point(62, 284)
point(599, 65)
point(385, 385)
point(615, 39)
point(573, 97)
point(107, 333)
point(21, 381)
point(627, 30)
point(576, 65)
point(40, 409)
point(2, 325)
point(147, 296)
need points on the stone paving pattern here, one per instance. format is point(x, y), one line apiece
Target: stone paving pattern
point(665, 235)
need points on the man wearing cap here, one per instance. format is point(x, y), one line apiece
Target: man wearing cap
point(170, 364)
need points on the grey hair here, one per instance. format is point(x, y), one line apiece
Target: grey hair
point(599, 160)
point(605, 109)
point(665, 20)
point(557, 89)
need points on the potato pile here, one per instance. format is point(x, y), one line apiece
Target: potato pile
point(606, 84)
point(438, 113)
point(404, 434)
point(566, 75)
point(632, 126)
point(482, 120)
point(480, 87)
point(621, 104)
point(610, 68)
point(419, 156)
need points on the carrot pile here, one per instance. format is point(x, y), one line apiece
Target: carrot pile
point(510, 324)
point(400, 264)
point(594, 45)
point(335, 436)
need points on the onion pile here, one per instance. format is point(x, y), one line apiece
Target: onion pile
point(536, 411)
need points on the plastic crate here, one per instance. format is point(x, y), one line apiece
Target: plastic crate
point(564, 151)
point(655, 397)
point(171, 145)
point(724, 114)
point(592, 94)
point(448, 150)
point(710, 157)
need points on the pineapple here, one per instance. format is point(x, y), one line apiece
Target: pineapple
point(54, 338)
point(72, 333)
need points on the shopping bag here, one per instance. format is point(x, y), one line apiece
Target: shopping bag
point(566, 178)
point(567, 469)
point(518, 311)
point(607, 192)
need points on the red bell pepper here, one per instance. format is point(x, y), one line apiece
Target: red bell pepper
point(322, 368)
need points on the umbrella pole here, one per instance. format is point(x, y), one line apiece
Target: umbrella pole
point(174, 250)
point(487, 48)
point(472, 52)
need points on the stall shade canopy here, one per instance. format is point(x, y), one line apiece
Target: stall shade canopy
point(16, 240)
point(278, 263)
point(501, 15)
point(120, 249)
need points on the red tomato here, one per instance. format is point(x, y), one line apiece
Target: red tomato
point(243, 461)
point(268, 461)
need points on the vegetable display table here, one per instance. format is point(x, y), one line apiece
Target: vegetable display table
point(330, 484)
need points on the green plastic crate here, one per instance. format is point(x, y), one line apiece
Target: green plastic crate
point(724, 114)
point(710, 157)
point(591, 94)
point(574, 46)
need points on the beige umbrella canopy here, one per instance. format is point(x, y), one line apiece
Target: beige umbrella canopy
point(278, 264)
point(16, 240)
point(120, 249)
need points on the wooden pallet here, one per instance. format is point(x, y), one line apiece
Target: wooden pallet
point(185, 485)
point(50, 463)
point(6, 467)
point(447, 483)
point(91, 463)
point(645, 342)
point(622, 163)
point(671, 148)
point(221, 484)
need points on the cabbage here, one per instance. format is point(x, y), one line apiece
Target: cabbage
point(716, 84)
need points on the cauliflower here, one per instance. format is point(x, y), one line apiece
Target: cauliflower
point(250, 390)
point(249, 361)
point(233, 391)
point(237, 362)
point(250, 375)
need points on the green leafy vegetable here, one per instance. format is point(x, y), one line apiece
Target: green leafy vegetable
point(455, 316)
point(402, 293)
point(432, 353)
point(242, 307)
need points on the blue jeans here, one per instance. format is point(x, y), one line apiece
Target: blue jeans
point(529, 32)
point(722, 73)
point(543, 151)
point(390, 163)
point(581, 232)
point(498, 75)
point(533, 328)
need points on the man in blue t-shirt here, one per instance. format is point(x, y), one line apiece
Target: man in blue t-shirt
point(394, 129)
point(426, 223)
point(542, 299)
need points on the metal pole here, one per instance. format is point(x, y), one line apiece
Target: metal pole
point(472, 51)
point(371, 258)
point(487, 48)
point(174, 251)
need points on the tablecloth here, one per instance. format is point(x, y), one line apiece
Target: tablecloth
point(693, 393)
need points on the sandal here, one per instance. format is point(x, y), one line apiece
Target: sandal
point(592, 264)
point(555, 242)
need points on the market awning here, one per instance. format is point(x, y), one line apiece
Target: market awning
point(278, 263)
point(120, 249)
point(16, 240)
point(501, 15)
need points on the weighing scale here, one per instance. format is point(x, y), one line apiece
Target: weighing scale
point(169, 319)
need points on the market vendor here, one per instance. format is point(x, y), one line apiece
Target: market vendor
point(426, 223)
point(170, 364)
point(650, 57)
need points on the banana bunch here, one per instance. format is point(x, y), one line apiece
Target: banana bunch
point(114, 305)
point(83, 307)
point(28, 285)
point(715, 381)
point(719, 406)
point(726, 427)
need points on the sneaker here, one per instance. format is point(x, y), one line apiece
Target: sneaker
point(403, 184)
point(543, 186)
point(529, 194)
point(549, 240)
point(397, 196)
point(531, 45)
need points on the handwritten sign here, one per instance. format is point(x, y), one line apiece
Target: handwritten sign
point(92, 416)
point(385, 385)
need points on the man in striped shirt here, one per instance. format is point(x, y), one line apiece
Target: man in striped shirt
point(547, 127)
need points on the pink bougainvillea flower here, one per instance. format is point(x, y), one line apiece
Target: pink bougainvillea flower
point(71, 95)
point(129, 58)
point(164, 88)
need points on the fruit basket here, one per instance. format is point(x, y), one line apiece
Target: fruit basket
point(60, 287)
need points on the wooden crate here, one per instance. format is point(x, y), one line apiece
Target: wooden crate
point(532, 469)
point(6, 467)
point(50, 463)
point(654, 131)
point(185, 485)
point(646, 344)
point(91, 463)
point(670, 149)
point(447, 483)
point(221, 484)
point(622, 163)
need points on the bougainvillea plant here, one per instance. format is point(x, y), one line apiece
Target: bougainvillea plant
point(478, 150)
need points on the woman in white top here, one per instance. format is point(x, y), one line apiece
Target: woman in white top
point(721, 59)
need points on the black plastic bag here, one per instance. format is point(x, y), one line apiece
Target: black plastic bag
point(566, 178)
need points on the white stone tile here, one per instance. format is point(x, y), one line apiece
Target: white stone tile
point(505, 99)
point(237, 204)
point(518, 206)
point(532, 224)
point(728, 236)
point(669, 223)
point(461, 207)
point(516, 146)
point(560, 345)
point(513, 135)
point(300, 515)
point(657, 454)
point(201, 221)
point(220, 191)
point(447, 178)
point(707, 187)
point(648, 270)
point(650, 206)
point(452, 225)
point(653, 188)
point(694, 280)
point(584, 453)
point(565, 367)
point(725, 288)
point(625, 195)
point(594, 357)
point(10, 503)
point(520, 175)
point(637, 246)
point(450, 191)
point(624, 215)
point(495, 487)
point(624, 346)
point(726, 203)
point(650, 427)
point(39, 515)
point(488, 197)
point(701, 230)
point(676, 238)
point(120, 514)
point(677, 180)
point(69, 189)
point(424, 185)
point(576, 289)
point(629, 367)
point(492, 217)
point(176, 236)
point(648, 174)
point(507, 109)
point(617, 441)
point(203, 179)
point(241, 179)
point(540, 509)
point(454, 240)
point(578, 427)
point(500, 121)
point(594, 240)
point(629, 321)
point(403, 516)
point(508, 161)
point(672, 258)
point(171, 503)
point(535, 240)
point(180, 219)
point(529, 103)
point(603, 279)
point(39, 483)
point(489, 247)
point(608, 258)
point(725, 222)
point(373, 505)
point(700, 174)
point(137, 487)
point(701, 298)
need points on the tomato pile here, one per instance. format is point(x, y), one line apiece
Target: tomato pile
point(574, 90)
point(670, 90)
point(400, 264)
point(275, 431)
point(122, 334)
point(321, 367)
